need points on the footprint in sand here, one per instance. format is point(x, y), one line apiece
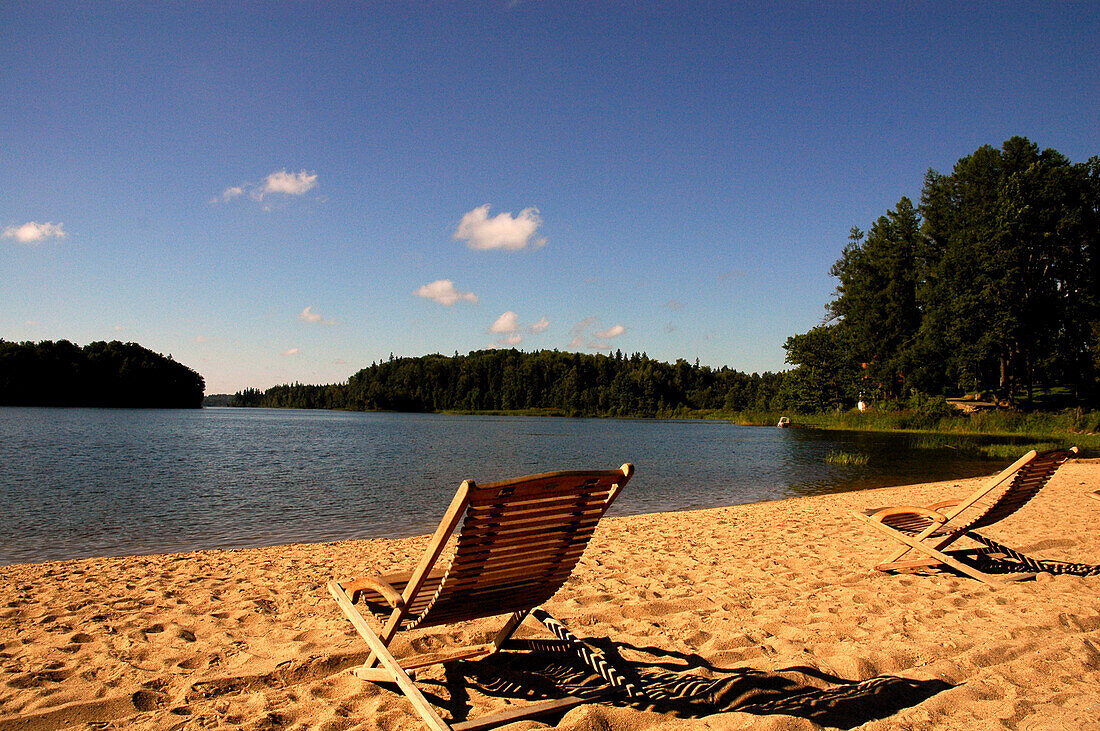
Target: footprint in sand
point(149, 700)
point(194, 662)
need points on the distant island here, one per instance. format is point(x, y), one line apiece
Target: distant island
point(548, 382)
point(101, 374)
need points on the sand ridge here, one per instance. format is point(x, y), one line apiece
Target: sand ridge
point(765, 615)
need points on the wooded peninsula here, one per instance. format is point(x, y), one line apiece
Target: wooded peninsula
point(100, 374)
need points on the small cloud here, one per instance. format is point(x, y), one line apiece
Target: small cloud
point(32, 232)
point(583, 325)
point(443, 291)
point(612, 332)
point(308, 315)
point(506, 324)
point(287, 183)
point(675, 305)
point(598, 341)
point(502, 231)
point(200, 339)
point(118, 328)
point(577, 331)
point(290, 351)
point(539, 326)
point(281, 182)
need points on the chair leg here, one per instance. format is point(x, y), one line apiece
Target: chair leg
point(389, 663)
point(390, 670)
point(908, 565)
point(929, 561)
point(510, 627)
point(935, 553)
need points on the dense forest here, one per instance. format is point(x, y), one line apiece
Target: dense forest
point(574, 384)
point(113, 374)
point(991, 284)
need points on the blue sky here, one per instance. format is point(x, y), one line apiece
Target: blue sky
point(279, 192)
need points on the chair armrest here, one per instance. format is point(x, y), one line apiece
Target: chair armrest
point(375, 583)
point(944, 504)
point(929, 513)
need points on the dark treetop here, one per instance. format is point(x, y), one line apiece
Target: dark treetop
point(99, 374)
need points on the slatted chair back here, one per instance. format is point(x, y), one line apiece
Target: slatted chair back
point(999, 497)
point(1002, 502)
point(519, 542)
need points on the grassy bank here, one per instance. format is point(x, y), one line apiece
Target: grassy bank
point(1018, 430)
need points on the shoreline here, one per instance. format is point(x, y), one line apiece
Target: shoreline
point(762, 614)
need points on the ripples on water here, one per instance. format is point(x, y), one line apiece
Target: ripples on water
point(98, 482)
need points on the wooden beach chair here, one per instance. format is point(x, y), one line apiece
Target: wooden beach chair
point(929, 530)
point(518, 543)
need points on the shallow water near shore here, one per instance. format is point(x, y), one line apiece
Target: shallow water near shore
point(97, 482)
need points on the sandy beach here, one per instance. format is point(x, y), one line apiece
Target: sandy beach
point(764, 616)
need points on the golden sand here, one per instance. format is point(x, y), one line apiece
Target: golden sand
point(764, 616)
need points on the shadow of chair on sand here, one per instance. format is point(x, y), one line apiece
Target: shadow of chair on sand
point(684, 685)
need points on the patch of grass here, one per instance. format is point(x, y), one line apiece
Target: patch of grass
point(1019, 431)
point(1015, 451)
point(846, 458)
point(940, 441)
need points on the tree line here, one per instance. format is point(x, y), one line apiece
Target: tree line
point(572, 384)
point(101, 374)
point(991, 284)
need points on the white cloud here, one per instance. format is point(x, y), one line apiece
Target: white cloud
point(501, 231)
point(308, 315)
point(232, 192)
point(612, 332)
point(280, 181)
point(443, 291)
point(539, 326)
point(32, 232)
point(290, 351)
point(506, 324)
point(598, 341)
point(288, 183)
point(513, 339)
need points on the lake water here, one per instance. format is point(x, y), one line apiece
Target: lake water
point(100, 482)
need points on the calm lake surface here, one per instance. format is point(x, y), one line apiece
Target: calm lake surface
point(100, 482)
